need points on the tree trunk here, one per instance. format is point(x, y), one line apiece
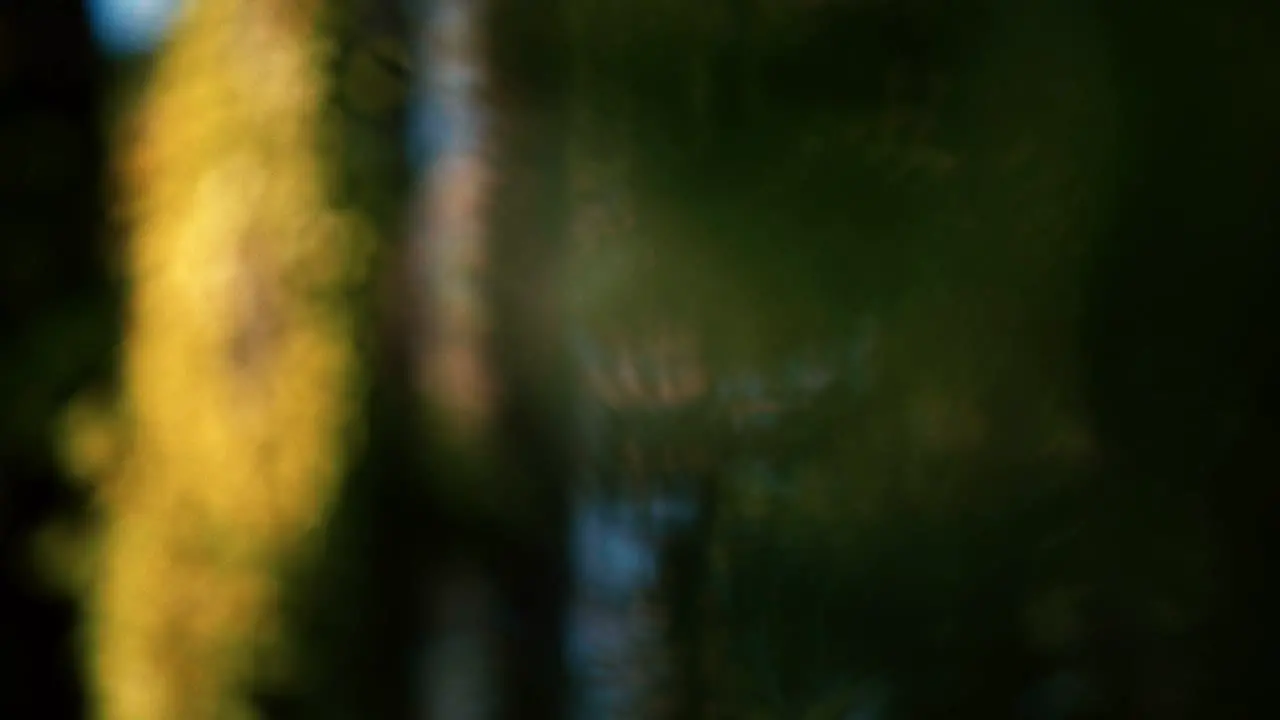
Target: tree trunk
point(527, 230)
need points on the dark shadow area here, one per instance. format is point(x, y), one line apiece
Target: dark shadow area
point(58, 327)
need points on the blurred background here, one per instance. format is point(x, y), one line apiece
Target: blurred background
point(593, 359)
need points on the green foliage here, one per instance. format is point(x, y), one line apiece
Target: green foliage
point(970, 176)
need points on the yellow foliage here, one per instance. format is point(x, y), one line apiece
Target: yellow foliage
point(238, 375)
point(90, 445)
